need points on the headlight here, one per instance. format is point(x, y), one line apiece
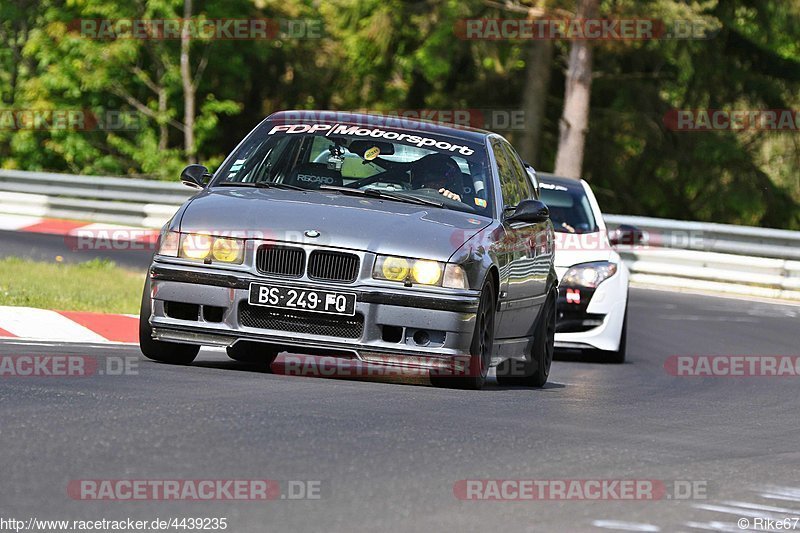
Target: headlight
point(207, 248)
point(195, 246)
point(455, 277)
point(426, 272)
point(589, 274)
point(227, 250)
point(168, 243)
point(392, 268)
point(421, 271)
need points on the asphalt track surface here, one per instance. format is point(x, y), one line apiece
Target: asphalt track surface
point(387, 454)
point(46, 247)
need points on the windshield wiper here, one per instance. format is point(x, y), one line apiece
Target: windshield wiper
point(286, 186)
point(261, 185)
point(375, 193)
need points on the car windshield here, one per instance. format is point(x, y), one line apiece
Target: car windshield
point(569, 207)
point(399, 165)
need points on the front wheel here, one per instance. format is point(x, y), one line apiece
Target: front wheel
point(480, 349)
point(165, 352)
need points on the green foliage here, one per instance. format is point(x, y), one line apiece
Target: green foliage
point(391, 55)
point(745, 177)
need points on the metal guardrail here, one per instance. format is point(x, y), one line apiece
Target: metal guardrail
point(711, 237)
point(128, 201)
point(695, 255)
point(726, 258)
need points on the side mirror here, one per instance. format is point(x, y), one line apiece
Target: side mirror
point(195, 176)
point(626, 235)
point(530, 211)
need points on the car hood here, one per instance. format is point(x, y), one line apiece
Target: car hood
point(369, 224)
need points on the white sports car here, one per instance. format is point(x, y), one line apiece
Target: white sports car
point(593, 280)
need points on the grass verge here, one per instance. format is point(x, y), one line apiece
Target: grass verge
point(95, 285)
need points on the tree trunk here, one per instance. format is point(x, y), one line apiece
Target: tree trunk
point(575, 117)
point(163, 132)
point(188, 87)
point(537, 81)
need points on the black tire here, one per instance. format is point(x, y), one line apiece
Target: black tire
point(535, 372)
point(165, 352)
point(480, 348)
point(253, 352)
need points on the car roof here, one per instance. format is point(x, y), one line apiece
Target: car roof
point(308, 116)
point(569, 183)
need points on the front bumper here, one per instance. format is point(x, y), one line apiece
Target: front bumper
point(389, 319)
point(596, 322)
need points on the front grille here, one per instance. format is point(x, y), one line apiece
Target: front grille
point(281, 260)
point(254, 316)
point(332, 266)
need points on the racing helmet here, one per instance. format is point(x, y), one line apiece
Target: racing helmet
point(436, 171)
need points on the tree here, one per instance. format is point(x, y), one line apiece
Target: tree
point(574, 121)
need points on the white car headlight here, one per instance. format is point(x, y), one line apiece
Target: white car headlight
point(589, 275)
point(168, 243)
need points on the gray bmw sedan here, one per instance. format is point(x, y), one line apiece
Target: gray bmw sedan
point(390, 241)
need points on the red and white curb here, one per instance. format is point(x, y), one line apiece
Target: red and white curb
point(28, 323)
point(80, 234)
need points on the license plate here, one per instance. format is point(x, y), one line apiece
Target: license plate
point(315, 301)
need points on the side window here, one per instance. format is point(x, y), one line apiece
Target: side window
point(513, 177)
point(522, 174)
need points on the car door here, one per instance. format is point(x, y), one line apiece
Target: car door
point(523, 275)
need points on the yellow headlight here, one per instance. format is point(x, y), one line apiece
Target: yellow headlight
point(227, 250)
point(395, 268)
point(426, 272)
point(195, 246)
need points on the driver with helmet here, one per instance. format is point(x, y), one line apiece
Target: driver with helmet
point(437, 172)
